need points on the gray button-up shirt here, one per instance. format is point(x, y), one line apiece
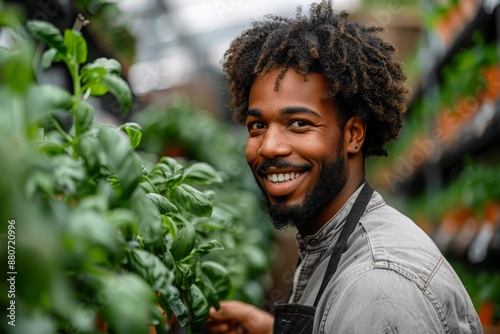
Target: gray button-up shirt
point(392, 278)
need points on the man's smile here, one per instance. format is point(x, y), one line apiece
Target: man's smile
point(279, 182)
point(282, 177)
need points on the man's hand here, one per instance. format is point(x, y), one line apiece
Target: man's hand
point(235, 317)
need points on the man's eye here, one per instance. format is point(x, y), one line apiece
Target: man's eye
point(299, 124)
point(256, 126)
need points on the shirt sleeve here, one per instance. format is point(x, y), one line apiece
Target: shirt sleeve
point(378, 301)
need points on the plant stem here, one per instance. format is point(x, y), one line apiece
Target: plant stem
point(60, 130)
point(76, 81)
point(74, 70)
point(152, 185)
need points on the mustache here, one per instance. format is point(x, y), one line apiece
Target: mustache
point(277, 163)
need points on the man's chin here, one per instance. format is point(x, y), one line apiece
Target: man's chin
point(284, 215)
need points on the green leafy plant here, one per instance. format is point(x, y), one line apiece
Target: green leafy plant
point(463, 77)
point(437, 11)
point(106, 240)
point(193, 134)
point(473, 188)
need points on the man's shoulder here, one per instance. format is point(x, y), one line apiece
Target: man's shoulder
point(397, 243)
point(376, 301)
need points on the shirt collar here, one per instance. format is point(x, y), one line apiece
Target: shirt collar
point(329, 233)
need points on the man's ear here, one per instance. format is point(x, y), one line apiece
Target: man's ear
point(354, 135)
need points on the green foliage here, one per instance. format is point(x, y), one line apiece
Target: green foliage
point(193, 134)
point(105, 232)
point(98, 78)
point(473, 188)
point(462, 77)
point(111, 25)
point(482, 285)
point(436, 11)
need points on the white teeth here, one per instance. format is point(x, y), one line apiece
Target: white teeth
point(276, 178)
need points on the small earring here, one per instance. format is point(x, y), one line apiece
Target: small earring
point(356, 148)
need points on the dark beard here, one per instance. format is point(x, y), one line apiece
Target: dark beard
point(332, 178)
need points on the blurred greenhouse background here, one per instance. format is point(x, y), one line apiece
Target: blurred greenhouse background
point(444, 172)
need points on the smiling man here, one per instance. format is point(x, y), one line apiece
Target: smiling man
point(298, 151)
point(318, 94)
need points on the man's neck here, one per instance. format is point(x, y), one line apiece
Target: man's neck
point(331, 210)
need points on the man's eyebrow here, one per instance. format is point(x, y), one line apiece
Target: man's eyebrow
point(299, 110)
point(253, 112)
point(285, 111)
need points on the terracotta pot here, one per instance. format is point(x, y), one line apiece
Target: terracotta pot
point(444, 31)
point(448, 123)
point(456, 22)
point(100, 324)
point(492, 211)
point(467, 107)
point(452, 223)
point(491, 75)
point(485, 313)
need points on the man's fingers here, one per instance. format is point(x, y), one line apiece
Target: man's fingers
point(226, 327)
point(242, 318)
point(218, 327)
point(232, 309)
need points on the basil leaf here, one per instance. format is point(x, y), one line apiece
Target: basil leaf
point(170, 225)
point(219, 277)
point(172, 170)
point(163, 204)
point(211, 246)
point(6, 54)
point(134, 132)
point(16, 70)
point(150, 225)
point(48, 33)
point(84, 116)
point(184, 243)
point(168, 260)
point(110, 66)
point(69, 174)
point(118, 158)
point(128, 309)
point(88, 228)
point(122, 217)
point(44, 100)
point(93, 73)
point(201, 173)
point(88, 146)
point(76, 46)
point(92, 79)
point(119, 89)
point(152, 269)
point(174, 301)
point(191, 199)
point(184, 276)
point(48, 57)
point(198, 306)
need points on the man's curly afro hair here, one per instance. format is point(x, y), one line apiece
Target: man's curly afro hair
point(363, 75)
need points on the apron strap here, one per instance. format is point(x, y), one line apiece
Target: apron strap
point(352, 220)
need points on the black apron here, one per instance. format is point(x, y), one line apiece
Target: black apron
point(299, 319)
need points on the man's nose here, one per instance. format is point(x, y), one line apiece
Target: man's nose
point(274, 144)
